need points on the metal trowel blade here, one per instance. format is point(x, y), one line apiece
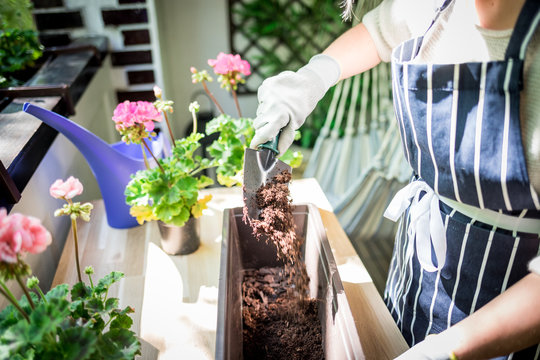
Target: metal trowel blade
point(260, 167)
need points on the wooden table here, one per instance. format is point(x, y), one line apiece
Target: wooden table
point(175, 297)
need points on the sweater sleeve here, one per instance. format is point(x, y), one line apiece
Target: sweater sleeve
point(395, 21)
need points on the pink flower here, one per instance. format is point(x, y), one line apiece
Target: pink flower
point(19, 234)
point(229, 63)
point(128, 114)
point(66, 190)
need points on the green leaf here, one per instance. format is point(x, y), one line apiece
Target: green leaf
point(58, 292)
point(106, 282)
point(9, 316)
point(111, 304)
point(119, 343)
point(76, 343)
point(204, 181)
point(181, 218)
point(45, 318)
point(77, 309)
point(294, 159)
point(165, 211)
point(94, 305)
point(80, 291)
point(122, 320)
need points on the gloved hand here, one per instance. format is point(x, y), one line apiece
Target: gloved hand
point(434, 347)
point(285, 100)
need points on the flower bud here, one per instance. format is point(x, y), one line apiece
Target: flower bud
point(157, 92)
point(32, 282)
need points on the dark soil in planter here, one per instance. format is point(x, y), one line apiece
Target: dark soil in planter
point(280, 322)
point(277, 326)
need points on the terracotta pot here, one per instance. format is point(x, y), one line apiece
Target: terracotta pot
point(240, 250)
point(180, 240)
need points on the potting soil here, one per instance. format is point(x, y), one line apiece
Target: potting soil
point(280, 322)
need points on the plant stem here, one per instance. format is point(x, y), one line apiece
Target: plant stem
point(5, 291)
point(236, 102)
point(25, 290)
point(91, 282)
point(76, 241)
point(41, 294)
point(144, 157)
point(194, 122)
point(169, 127)
point(151, 153)
point(212, 97)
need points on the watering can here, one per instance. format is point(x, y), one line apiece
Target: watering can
point(111, 164)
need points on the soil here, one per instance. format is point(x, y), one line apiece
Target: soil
point(270, 330)
point(280, 321)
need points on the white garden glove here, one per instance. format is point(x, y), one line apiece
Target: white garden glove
point(285, 100)
point(434, 347)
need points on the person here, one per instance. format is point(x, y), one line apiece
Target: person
point(464, 280)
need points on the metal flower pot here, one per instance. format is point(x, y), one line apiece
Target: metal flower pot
point(180, 240)
point(240, 250)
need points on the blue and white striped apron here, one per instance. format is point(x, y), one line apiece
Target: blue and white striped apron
point(460, 129)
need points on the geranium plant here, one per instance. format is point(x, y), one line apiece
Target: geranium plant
point(168, 192)
point(235, 134)
point(81, 323)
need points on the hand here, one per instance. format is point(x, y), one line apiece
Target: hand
point(285, 100)
point(434, 347)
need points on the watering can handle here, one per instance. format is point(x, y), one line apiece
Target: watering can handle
point(271, 145)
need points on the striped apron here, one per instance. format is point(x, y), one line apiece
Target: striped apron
point(470, 217)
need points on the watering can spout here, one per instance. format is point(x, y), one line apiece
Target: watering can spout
point(111, 168)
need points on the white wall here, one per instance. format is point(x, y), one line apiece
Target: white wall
point(190, 33)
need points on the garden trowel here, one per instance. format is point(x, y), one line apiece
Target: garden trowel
point(260, 167)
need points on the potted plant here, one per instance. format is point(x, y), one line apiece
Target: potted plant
point(168, 191)
point(19, 44)
point(78, 323)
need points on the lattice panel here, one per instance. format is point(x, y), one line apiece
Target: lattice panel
point(277, 35)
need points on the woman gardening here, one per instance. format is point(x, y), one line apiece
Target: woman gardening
point(465, 277)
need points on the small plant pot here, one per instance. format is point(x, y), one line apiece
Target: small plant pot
point(240, 250)
point(180, 240)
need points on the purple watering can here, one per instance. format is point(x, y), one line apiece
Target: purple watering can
point(112, 165)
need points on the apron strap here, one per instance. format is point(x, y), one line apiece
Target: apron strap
point(525, 27)
point(417, 44)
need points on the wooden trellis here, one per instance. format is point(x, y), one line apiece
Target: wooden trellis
point(277, 35)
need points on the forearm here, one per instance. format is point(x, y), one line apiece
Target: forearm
point(355, 51)
point(508, 323)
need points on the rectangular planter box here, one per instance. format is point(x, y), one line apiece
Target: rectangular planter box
point(240, 250)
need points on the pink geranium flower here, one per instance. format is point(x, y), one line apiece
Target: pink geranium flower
point(226, 64)
point(66, 190)
point(128, 114)
point(20, 234)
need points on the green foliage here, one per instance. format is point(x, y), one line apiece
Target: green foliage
point(228, 150)
point(90, 326)
point(16, 14)
point(169, 193)
point(302, 28)
point(19, 44)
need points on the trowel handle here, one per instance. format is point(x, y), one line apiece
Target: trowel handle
point(271, 145)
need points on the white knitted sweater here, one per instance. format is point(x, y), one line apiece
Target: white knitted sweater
point(455, 38)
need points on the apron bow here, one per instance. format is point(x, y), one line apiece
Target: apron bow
point(426, 226)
